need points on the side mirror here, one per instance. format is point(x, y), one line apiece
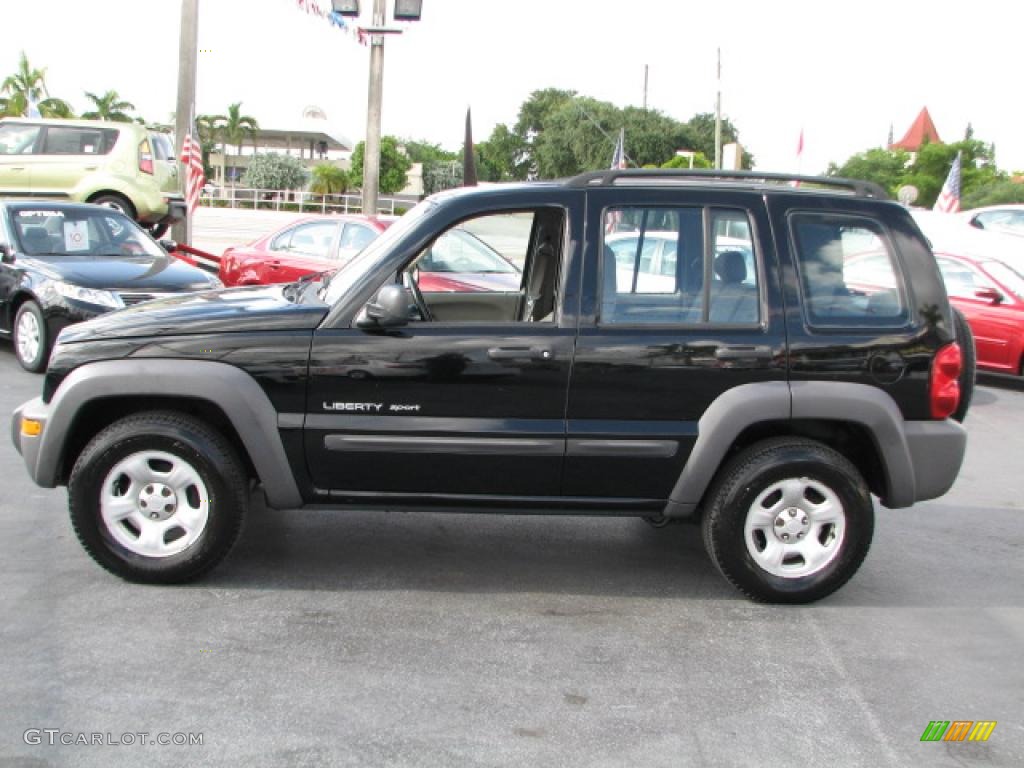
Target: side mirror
point(169, 245)
point(390, 309)
point(6, 254)
point(991, 295)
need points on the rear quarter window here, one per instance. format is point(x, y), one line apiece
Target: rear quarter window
point(849, 274)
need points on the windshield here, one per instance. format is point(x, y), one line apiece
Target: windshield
point(1008, 276)
point(342, 280)
point(98, 232)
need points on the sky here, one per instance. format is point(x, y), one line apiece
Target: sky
point(841, 72)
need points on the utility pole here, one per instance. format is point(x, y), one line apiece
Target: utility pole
point(188, 41)
point(718, 116)
point(645, 86)
point(371, 155)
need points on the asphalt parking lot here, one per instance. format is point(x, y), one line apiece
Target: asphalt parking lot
point(390, 639)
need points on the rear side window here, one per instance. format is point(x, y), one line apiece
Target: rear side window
point(848, 272)
point(68, 140)
point(678, 266)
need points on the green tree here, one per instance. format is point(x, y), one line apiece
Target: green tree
point(329, 179)
point(699, 161)
point(234, 127)
point(926, 170)
point(394, 165)
point(29, 85)
point(425, 152)
point(109, 106)
point(561, 133)
point(702, 136)
point(884, 167)
point(274, 171)
point(994, 193)
point(503, 157)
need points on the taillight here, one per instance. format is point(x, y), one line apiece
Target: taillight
point(945, 381)
point(145, 157)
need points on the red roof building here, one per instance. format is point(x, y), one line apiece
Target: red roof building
point(922, 130)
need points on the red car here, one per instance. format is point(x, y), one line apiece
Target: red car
point(991, 296)
point(310, 245)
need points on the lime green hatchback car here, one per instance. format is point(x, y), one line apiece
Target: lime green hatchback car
point(120, 165)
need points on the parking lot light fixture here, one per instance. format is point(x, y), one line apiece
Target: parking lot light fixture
point(405, 10)
point(346, 7)
point(408, 10)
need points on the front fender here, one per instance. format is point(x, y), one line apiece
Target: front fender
point(232, 390)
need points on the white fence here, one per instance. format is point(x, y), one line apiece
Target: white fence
point(298, 201)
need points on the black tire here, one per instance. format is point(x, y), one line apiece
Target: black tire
point(189, 442)
point(755, 471)
point(968, 373)
point(27, 314)
point(117, 202)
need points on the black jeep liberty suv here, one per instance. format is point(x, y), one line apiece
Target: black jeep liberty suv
point(731, 349)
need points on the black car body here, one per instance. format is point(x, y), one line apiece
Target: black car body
point(582, 393)
point(75, 261)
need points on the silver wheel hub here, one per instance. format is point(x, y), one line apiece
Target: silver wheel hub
point(795, 527)
point(28, 332)
point(157, 501)
point(154, 504)
point(792, 524)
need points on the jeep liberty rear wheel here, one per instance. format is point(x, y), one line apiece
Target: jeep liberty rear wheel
point(158, 497)
point(788, 520)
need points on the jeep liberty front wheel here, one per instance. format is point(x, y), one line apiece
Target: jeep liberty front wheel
point(158, 497)
point(788, 520)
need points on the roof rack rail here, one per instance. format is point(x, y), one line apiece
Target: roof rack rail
point(608, 178)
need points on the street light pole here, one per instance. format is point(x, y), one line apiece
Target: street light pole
point(187, 44)
point(371, 155)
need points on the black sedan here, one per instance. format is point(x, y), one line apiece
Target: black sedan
point(61, 263)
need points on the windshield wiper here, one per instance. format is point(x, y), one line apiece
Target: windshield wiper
point(294, 290)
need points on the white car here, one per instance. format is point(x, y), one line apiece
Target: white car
point(1005, 219)
point(953, 233)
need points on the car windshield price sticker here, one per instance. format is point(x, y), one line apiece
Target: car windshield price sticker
point(76, 236)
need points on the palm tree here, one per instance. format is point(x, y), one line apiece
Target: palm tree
point(28, 85)
point(235, 127)
point(329, 180)
point(109, 107)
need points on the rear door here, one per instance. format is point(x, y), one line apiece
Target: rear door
point(465, 405)
point(677, 291)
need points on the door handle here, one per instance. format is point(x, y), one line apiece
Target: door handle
point(520, 353)
point(91, 167)
point(750, 352)
point(274, 264)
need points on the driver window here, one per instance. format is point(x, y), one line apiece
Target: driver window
point(498, 268)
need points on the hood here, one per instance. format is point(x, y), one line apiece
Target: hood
point(232, 310)
point(144, 274)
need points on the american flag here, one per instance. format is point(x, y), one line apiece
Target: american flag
point(614, 217)
point(192, 157)
point(949, 197)
point(619, 157)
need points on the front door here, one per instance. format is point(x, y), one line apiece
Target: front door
point(466, 400)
